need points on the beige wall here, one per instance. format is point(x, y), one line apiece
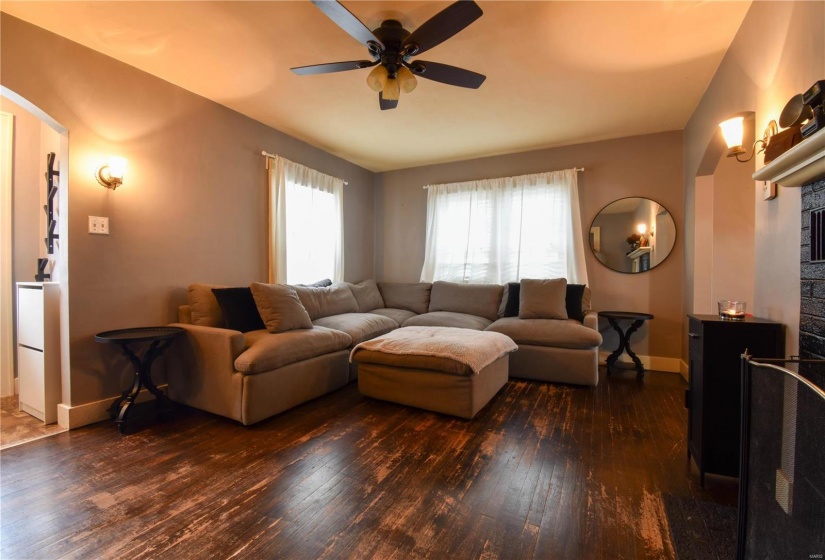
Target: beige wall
point(779, 51)
point(27, 185)
point(648, 166)
point(193, 205)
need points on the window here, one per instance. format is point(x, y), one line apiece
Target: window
point(307, 228)
point(502, 230)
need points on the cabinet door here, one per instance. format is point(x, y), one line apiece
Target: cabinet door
point(695, 417)
point(30, 371)
point(30, 317)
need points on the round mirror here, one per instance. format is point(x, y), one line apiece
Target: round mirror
point(632, 235)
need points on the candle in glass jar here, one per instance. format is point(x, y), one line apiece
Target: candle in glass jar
point(729, 309)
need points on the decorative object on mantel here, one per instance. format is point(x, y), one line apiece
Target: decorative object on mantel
point(802, 164)
point(815, 99)
point(731, 310)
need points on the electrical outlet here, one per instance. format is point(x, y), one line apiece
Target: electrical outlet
point(98, 225)
point(768, 190)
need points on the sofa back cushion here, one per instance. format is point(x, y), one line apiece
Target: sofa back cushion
point(481, 300)
point(323, 302)
point(543, 299)
point(280, 308)
point(414, 296)
point(203, 306)
point(367, 296)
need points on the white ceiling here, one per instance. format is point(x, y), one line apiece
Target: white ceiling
point(558, 73)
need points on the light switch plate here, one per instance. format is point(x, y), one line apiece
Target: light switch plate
point(99, 225)
point(768, 190)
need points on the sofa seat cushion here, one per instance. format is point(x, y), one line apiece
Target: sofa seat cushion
point(448, 319)
point(359, 326)
point(556, 333)
point(397, 315)
point(267, 351)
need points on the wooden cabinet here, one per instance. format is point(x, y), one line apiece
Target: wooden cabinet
point(713, 398)
point(38, 348)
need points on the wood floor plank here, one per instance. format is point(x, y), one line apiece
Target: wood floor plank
point(544, 471)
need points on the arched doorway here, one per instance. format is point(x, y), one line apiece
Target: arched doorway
point(28, 134)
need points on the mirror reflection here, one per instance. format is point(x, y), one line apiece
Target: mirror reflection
point(632, 235)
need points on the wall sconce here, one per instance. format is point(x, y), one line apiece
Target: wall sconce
point(110, 174)
point(642, 229)
point(734, 128)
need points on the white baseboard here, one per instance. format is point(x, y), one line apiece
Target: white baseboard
point(683, 369)
point(656, 363)
point(71, 417)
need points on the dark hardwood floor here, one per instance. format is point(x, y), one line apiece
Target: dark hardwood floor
point(544, 471)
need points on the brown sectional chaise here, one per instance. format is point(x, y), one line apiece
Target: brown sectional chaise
point(251, 376)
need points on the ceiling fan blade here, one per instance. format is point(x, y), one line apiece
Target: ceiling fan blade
point(444, 25)
point(386, 103)
point(446, 74)
point(334, 67)
point(344, 19)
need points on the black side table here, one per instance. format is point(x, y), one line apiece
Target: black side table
point(613, 317)
point(159, 339)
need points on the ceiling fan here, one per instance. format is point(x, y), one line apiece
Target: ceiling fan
point(391, 47)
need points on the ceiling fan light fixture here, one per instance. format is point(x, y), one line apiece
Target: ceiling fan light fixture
point(406, 80)
point(377, 79)
point(392, 91)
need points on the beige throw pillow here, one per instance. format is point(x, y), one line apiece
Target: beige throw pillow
point(543, 299)
point(280, 308)
point(203, 306)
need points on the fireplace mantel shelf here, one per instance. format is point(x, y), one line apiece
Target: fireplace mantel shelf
point(802, 164)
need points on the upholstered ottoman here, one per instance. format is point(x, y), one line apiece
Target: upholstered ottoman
point(443, 369)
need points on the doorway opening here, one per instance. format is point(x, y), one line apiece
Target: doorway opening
point(27, 137)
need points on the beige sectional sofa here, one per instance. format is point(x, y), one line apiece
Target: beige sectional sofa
point(250, 376)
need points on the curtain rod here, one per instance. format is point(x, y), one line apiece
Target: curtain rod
point(574, 169)
point(272, 156)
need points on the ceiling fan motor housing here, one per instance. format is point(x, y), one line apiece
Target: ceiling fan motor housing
point(393, 35)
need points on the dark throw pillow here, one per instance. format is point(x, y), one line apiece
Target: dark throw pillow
point(573, 301)
point(513, 290)
point(239, 310)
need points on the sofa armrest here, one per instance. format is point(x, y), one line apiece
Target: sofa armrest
point(202, 369)
point(591, 320)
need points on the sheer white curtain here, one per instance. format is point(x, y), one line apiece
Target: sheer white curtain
point(306, 224)
point(502, 230)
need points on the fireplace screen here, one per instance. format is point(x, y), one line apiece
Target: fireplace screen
point(782, 483)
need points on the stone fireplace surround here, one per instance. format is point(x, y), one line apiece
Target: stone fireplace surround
point(812, 275)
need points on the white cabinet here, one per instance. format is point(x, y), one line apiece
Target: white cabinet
point(38, 348)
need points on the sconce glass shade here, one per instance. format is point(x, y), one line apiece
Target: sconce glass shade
point(732, 130)
point(406, 79)
point(392, 91)
point(117, 168)
point(377, 79)
point(641, 228)
point(110, 175)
